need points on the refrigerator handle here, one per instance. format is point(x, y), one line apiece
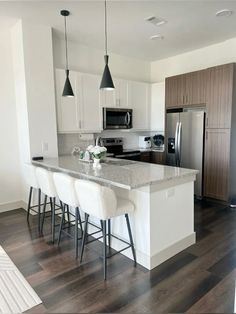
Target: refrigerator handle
point(179, 142)
point(176, 143)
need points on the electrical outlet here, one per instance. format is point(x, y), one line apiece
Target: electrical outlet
point(44, 147)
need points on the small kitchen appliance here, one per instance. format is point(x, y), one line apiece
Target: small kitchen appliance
point(145, 142)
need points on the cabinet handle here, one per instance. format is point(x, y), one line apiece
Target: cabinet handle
point(183, 99)
point(206, 135)
point(207, 121)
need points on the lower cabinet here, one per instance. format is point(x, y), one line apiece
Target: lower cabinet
point(145, 156)
point(217, 163)
point(158, 157)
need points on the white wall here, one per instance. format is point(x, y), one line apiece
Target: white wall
point(34, 88)
point(86, 59)
point(222, 53)
point(10, 180)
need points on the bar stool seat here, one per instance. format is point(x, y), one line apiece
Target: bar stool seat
point(102, 203)
point(47, 186)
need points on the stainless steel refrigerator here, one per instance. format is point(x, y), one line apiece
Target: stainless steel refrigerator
point(185, 138)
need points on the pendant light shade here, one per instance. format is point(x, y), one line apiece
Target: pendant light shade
point(107, 82)
point(67, 91)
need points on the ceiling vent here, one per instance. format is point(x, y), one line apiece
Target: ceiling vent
point(157, 21)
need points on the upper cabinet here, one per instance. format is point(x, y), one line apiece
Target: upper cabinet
point(219, 96)
point(186, 89)
point(157, 112)
point(118, 97)
point(80, 113)
point(140, 101)
point(175, 91)
point(90, 118)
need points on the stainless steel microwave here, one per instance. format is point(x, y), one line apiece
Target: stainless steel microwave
point(117, 118)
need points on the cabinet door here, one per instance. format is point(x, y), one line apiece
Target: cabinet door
point(122, 94)
point(219, 96)
point(140, 97)
point(158, 158)
point(157, 116)
point(145, 156)
point(175, 91)
point(195, 88)
point(216, 168)
point(89, 102)
point(67, 107)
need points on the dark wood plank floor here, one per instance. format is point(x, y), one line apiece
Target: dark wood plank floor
point(200, 279)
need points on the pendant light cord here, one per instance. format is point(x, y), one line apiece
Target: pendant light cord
point(106, 26)
point(66, 43)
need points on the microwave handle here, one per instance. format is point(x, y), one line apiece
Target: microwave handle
point(128, 118)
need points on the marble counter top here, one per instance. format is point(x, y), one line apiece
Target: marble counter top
point(117, 172)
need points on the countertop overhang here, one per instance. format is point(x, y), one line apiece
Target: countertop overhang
point(121, 173)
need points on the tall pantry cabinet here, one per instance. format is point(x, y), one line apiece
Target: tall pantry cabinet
point(214, 88)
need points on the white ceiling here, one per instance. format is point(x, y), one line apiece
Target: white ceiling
point(191, 24)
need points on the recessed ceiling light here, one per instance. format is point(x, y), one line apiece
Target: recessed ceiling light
point(224, 13)
point(157, 36)
point(157, 21)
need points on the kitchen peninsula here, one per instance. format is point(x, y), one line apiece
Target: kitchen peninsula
point(163, 221)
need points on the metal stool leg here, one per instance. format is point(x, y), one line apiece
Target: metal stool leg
point(80, 222)
point(39, 209)
point(131, 238)
point(109, 235)
point(84, 236)
point(76, 231)
point(62, 222)
point(43, 214)
point(29, 203)
point(53, 218)
point(68, 214)
point(104, 249)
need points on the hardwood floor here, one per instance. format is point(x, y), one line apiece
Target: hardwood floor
point(200, 279)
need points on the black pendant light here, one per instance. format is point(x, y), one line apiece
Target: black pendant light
point(67, 91)
point(106, 82)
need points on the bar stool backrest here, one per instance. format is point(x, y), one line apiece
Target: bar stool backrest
point(30, 175)
point(65, 189)
point(96, 200)
point(45, 181)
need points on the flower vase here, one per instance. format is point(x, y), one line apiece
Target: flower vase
point(96, 163)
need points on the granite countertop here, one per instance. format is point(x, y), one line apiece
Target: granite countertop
point(121, 173)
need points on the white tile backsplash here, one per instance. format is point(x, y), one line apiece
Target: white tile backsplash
point(66, 142)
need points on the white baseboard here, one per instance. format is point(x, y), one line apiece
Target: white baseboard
point(5, 207)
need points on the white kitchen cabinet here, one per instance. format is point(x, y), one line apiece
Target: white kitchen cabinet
point(140, 99)
point(90, 102)
point(67, 107)
point(157, 112)
point(117, 97)
point(80, 113)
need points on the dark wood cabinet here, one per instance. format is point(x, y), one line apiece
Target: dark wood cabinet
point(219, 96)
point(145, 156)
point(158, 157)
point(174, 91)
point(217, 163)
point(186, 89)
point(215, 89)
point(195, 93)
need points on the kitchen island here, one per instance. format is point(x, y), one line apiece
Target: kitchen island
point(163, 220)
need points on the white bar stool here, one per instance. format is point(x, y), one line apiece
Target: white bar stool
point(66, 192)
point(47, 187)
point(101, 202)
point(31, 180)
